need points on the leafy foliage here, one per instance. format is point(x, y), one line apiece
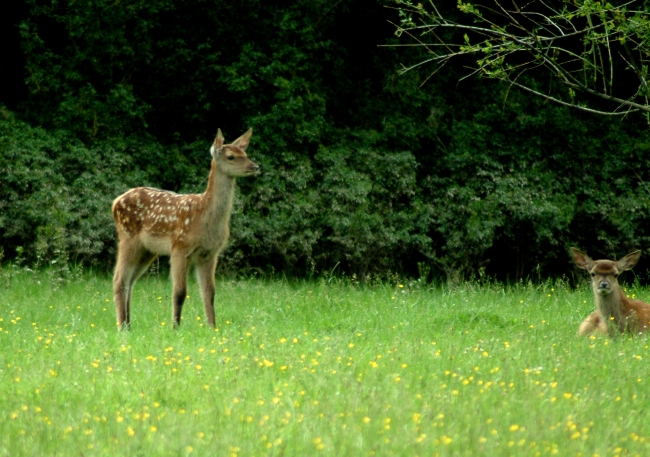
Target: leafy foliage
point(594, 48)
point(56, 194)
point(363, 170)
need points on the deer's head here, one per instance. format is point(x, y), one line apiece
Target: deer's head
point(231, 158)
point(604, 273)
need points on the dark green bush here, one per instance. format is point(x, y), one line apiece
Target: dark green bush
point(363, 170)
point(56, 193)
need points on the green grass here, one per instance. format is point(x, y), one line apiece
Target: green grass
point(316, 368)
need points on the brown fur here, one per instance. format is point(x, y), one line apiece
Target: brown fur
point(615, 313)
point(190, 228)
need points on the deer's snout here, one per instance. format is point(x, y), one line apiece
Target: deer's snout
point(604, 287)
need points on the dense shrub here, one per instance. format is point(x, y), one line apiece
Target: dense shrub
point(56, 193)
point(363, 170)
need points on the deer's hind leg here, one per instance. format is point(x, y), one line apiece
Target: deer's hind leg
point(179, 267)
point(132, 261)
point(205, 275)
point(122, 279)
point(143, 263)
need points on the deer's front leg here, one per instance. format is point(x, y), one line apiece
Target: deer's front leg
point(179, 266)
point(205, 275)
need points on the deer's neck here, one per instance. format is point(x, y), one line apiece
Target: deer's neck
point(612, 307)
point(218, 197)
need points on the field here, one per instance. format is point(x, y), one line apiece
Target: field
point(326, 367)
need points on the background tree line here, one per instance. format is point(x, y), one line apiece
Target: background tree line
point(363, 170)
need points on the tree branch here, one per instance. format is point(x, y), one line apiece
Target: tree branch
point(548, 35)
point(571, 105)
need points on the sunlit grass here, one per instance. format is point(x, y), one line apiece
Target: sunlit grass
point(316, 368)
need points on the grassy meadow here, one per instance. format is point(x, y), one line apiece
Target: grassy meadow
point(326, 367)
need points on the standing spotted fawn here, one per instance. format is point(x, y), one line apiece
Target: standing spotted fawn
point(190, 228)
point(615, 313)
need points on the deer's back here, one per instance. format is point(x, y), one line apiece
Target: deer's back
point(154, 213)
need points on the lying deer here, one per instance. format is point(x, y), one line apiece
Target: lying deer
point(615, 313)
point(190, 228)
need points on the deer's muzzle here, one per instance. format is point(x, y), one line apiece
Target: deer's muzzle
point(253, 168)
point(604, 288)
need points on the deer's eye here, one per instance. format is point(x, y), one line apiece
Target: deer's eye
point(230, 158)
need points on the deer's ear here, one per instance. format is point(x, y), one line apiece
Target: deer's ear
point(581, 259)
point(218, 144)
point(629, 261)
point(243, 141)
